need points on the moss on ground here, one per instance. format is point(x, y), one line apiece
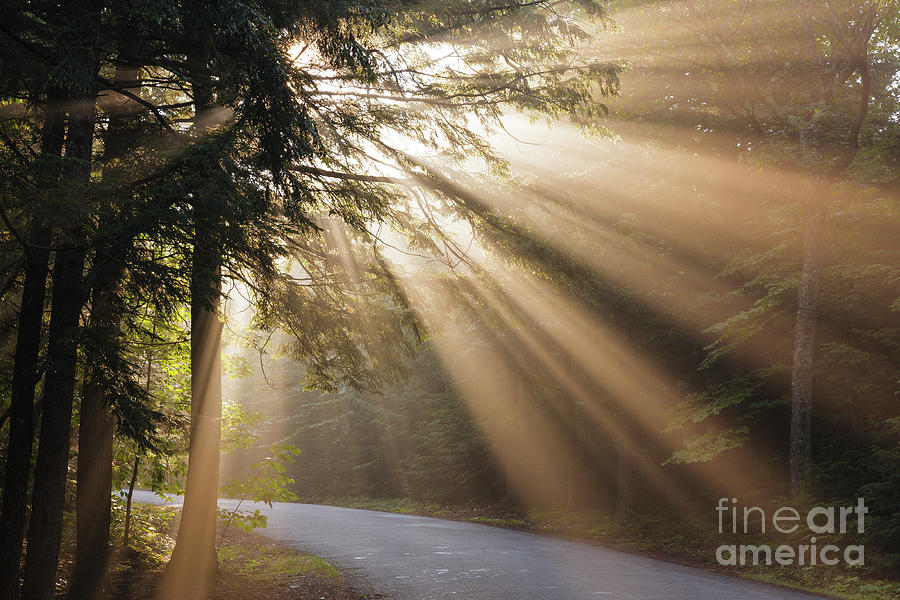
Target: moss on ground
point(509, 523)
point(243, 557)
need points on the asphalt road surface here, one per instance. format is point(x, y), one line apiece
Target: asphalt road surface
point(404, 557)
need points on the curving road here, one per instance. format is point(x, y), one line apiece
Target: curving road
point(404, 557)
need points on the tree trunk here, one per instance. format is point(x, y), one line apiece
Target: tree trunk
point(25, 371)
point(93, 481)
point(137, 459)
point(50, 473)
point(192, 567)
point(191, 570)
point(45, 527)
point(97, 426)
point(134, 474)
point(804, 350)
point(810, 278)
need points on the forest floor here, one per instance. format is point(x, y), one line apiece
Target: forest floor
point(655, 537)
point(251, 567)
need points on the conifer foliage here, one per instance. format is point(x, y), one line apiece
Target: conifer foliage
point(155, 154)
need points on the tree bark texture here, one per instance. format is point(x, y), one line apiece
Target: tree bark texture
point(51, 470)
point(93, 498)
point(192, 568)
point(804, 352)
point(25, 369)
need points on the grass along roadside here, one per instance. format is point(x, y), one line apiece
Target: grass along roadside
point(251, 567)
point(656, 537)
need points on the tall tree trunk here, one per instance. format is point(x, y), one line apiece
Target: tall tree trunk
point(45, 527)
point(192, 568)
point(97, 426)
point(804, 351)
point(93, 495)
point(810, 278)
point(50, 472)
point(137, 459)
point(25, 369)
point(134, 475)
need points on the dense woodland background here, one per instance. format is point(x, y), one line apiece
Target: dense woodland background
point(700, 274)
point(626, 257)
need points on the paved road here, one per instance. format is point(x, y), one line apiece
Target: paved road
point(404, 557)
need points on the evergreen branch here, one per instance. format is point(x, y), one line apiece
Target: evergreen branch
point(349, 176)
point(148, 105)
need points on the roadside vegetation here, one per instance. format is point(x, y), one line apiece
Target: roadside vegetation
point(249, 566)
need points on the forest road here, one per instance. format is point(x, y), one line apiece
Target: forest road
point(405, 557)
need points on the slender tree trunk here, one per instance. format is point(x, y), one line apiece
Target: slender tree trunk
point(134, 474)
point(45, 527)
point(97, 426)
point(192, 568)
point(804, 351)
point(810, 278)
point(137, 459)
point(25, 370)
